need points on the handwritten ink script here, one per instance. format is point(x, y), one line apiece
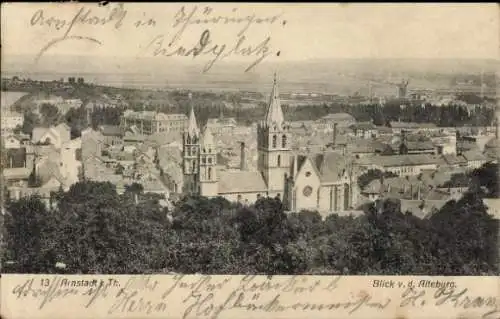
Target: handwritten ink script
point(214, 297)
point(168, 38)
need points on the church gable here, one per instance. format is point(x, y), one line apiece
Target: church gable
point(306, 186)
point(49, 137)
point(307, 173)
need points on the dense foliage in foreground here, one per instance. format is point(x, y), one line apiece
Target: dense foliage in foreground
point(92, 229)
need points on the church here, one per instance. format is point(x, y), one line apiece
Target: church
point(324, 182)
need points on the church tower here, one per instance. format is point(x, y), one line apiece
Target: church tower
point(190, 154)
point(208, 164)
point(273, 144)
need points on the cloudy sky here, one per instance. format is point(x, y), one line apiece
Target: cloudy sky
point(300, 32)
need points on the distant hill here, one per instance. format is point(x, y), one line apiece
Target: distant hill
point(312, 75)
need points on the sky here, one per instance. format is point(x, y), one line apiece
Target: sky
point(301, 32)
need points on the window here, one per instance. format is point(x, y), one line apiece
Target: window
point(307, 191)
point(283, 141)
point(275, 141)
point(279, 160)
point(308, 174)
point(209, 160)
point(209, 173)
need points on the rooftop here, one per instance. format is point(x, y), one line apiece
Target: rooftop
point(241, 182)
point(401, 160)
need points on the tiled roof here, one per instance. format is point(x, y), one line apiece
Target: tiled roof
point(162, 138)
point(363, 126)
point(48, 170)
point(331, 166)
point(452, 159)
point(422, 208)
point(241, 182)
point(419, 145)
point(474, 156)
point(395, 124)
point(492, 154)
point(16, 173)
point(401, 160)
point(494, 143)
point(134, 137)
point(111, 130)
point(339, 117)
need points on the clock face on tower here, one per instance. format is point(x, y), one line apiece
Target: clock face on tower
point(307, 191)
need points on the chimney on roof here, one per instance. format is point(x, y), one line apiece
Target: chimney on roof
point(243, 160)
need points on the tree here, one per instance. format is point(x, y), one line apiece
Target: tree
point(466, 237)
point(30, 236)
point(100, 233)
point(371, 175)
point(488, 176)
point(50, 114)
point(31, 120)
point(76, 120)
point(92, 229)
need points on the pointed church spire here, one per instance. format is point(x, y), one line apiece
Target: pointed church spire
point(207, 138)
point(274, 113)
point(192, 128)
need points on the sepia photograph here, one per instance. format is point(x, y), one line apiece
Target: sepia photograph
point(250, 139)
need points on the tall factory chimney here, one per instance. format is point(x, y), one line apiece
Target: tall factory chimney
point(243, 160)
point(482, 84)
point(497, 122)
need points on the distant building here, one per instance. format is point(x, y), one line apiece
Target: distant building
point(474, 158)
point(14, 141)
point(63, 105)
point(10, 120)
point(342, 120)
point(445, 144)
point(112, 134)
point(148, 122)
point(222, 125)
point(364, 130)
point(402, 165)
point(55, 135)
point(454, 161)
point(397, 127)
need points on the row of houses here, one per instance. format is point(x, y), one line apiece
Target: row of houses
point(46, 162)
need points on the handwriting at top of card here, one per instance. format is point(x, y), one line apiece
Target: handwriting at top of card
point(188, 31)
